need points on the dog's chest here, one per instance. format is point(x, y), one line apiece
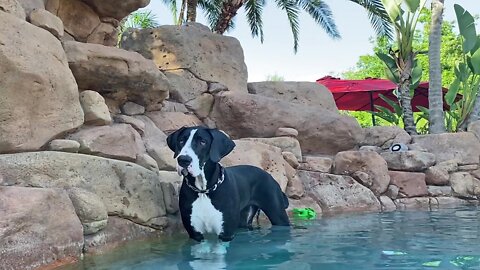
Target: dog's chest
point(205, 217)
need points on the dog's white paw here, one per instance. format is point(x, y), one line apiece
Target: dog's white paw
point(203, 247)
point(220, 248)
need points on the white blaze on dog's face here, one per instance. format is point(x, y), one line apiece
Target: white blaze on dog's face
point(187, 150)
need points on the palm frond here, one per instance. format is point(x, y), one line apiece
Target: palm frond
point(322, 14)
point(253, 9)
point(378, 17)
point(212, 11)
point(140, 19)
point(292, 10)
point(172, 5)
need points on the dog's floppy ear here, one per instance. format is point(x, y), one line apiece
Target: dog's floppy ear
point(221, 145)
point(172, 140)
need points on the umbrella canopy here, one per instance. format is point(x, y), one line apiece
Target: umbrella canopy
point(362, 95)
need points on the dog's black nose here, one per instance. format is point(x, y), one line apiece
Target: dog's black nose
point(184, 161)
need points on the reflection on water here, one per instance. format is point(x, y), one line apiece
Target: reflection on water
point(445, 239)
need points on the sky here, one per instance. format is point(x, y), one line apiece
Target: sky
point(318, 55)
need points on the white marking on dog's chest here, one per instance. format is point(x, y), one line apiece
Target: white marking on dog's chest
point(205, 218)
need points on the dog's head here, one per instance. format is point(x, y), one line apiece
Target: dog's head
point(195, 146)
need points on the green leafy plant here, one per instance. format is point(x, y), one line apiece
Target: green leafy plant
point(395, 117)
point(138, 19)
point(467, 73)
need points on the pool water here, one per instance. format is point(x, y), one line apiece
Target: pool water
point(442, 239)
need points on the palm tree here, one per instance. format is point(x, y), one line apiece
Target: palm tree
point(221, 12)
point(139, 19)
point(435, 94)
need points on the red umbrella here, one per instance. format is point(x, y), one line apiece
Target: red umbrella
point(362, 95)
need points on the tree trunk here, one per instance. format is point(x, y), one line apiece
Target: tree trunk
point(405, 98)
point(192, 10)
point(229, 10)
point(435, 94)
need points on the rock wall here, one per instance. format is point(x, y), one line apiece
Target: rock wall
point(84, 127)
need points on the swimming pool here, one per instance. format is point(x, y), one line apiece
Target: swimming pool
point(441, 239)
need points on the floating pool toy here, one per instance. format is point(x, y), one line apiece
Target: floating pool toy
point(304, 213)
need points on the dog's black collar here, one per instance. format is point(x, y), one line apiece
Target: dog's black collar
point(220, 180)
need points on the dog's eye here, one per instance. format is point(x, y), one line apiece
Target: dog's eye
point(203, 142)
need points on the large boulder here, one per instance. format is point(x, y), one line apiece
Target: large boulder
point(336, 193)
point(305, 93)
point(90, 210)
point(117, 74)
point(385, 136)
point(39, 96)
point(38, 226)
point(208, 56)
point(412, 161)
point(118, 141)
point(464, 185)
point(186, 85)
point(30, 5)
point(13, 7)
point(260, 155)
point(440, 173)
point(116, 9)
point(319, 131)
point(169, 122)
point(47, 21)
point(127, 190)
point(462, 146)
point(94, 108)
point(287, 144)
point(366, 167)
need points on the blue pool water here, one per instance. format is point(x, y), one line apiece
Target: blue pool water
point(443, 239)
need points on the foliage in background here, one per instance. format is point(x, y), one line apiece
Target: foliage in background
point(138, 19)
point(275, 78)
point(451, 52)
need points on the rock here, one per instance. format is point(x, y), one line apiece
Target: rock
point(385, 136)
point(215, 87)
point(118, 141)
point(130, 108)
point(436, 191)
point(127, 190)
point(95, 110)
point(201, 105)
point(170, 197)
point(171, 177)
point(462, 146)
point(30, 5)
point(464, 185)
point(260, 155)
point(317, 164)
point(287, 144)
point(392, 192)
point(387, 204)
point(13, 7)
point(474, 127)
point(186, 86)
point(169, 122)
point(47, 21)
point(475, 173)
point(90, 210)
point(117, 232)
point(116, 9)
point(105, 34)
point(190, 47)
point(370, 148)
point(64, 145)
point(171, 106)
point(319, 131)
point(371, 163)
point(38, 227)
point(288, 132)
point(147, 162)
point(440, 173)
point(410, 184)
point(117, 74)
point(295, 189)
point(466, 168)
point(413, 161)
point(39, 99)
point(291, 159)
point(305, 93)
point(336, 193)
point(412, 203)
point(138, 125)
point(155, 142)
point(450, 202)
point(79, 20)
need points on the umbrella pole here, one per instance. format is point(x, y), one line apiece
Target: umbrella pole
point(372, 108)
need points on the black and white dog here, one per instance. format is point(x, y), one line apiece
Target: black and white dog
point(218, 200)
